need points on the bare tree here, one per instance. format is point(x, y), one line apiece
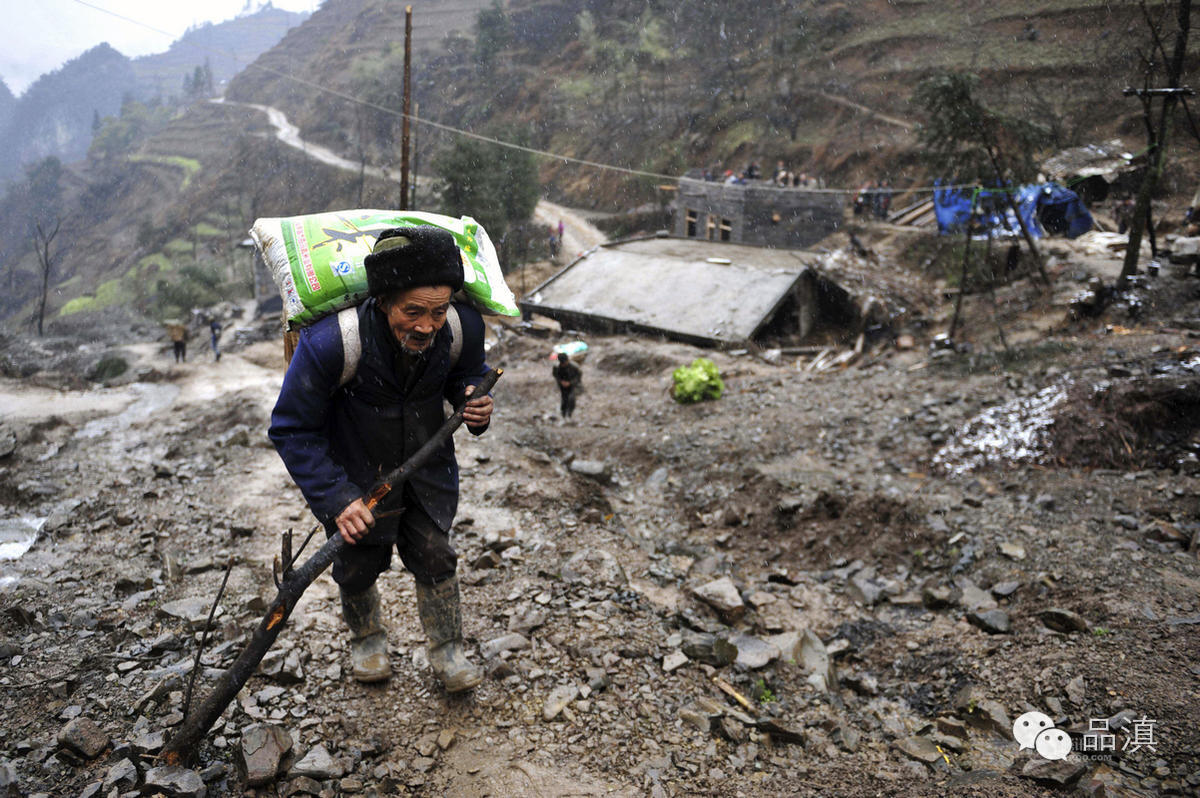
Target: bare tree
point(1156, 61)
point(42, 241)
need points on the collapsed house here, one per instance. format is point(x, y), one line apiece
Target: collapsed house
point(697, 292)
point(1095, 171)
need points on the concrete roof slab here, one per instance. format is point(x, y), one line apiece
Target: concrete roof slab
point(679, 287)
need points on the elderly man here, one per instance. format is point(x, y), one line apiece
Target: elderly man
point(345, 418)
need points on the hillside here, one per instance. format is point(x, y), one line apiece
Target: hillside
point(57, 114)
point(7, 103)
point(226, 47)
point(662, 88)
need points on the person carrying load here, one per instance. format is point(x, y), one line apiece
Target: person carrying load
point(337, 432)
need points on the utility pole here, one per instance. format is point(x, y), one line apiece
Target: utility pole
point(1157, 135)
point(416, 159)
point(407, 98)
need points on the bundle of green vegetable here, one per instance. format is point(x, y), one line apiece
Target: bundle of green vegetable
point(697, 382)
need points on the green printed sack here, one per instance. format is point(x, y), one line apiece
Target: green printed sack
point(317, 260)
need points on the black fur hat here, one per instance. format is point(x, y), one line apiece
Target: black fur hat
point(408, 257)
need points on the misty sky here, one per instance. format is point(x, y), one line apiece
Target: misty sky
point(42, 35)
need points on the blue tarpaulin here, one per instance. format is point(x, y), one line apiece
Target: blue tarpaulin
point(1047, 208)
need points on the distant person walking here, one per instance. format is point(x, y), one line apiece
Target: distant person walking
point(883, 199)
point(562, 228)
point(178, 334)
point(214, 327)
point(570, 381)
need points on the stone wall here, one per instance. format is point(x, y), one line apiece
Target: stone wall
point(759, 215)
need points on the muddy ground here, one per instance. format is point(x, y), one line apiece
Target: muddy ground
point(901, 583)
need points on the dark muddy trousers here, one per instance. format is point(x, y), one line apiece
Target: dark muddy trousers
point(424, 549)
point(568, 401)
point(180, 351)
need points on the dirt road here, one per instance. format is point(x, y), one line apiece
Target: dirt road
point(579, 235)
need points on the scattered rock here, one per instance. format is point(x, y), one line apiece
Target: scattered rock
point(1005, 589)
point(1059, 772)
point(1076, 690)
point(865, 590)
point(157, 693)
point(972, 703)
point(509, 642)
point(265, 749)
point(487, 560)
point(780, 732)
point(952, 727)
point(174, 781)
point(150, 743)
point(722, 595)
point(710, 649)
point(318, 764)
point(192, 611)
point(788, 644)
point(1064, 621)
point(994, 622)
point(592, 469)
point(594, 567)
point(83, 737)
point(753, 653)
point(1014, 551)
point(10, 786)
point(1044, 501)
point(974, 598)
point(817, 662)
point(123, 776)
point(1126, 522)
point(920, 749)
point(301, 785)
point(674, 661)
point(557, 701)
point(695, 716)
point(938, 597)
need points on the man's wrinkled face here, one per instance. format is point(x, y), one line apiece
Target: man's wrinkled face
point(417, 314)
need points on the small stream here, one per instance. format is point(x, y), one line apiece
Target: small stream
point(17, 536)
point(149, 398)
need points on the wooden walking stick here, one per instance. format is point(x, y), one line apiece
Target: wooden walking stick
point(292, 583)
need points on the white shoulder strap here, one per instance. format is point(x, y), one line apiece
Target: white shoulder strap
point(456, 331)
point(351, 344)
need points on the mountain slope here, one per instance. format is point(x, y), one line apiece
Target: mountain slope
point(55, 115)
point(664, 87)
point(226, 47)
point(652, 86)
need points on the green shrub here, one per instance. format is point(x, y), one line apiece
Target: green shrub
point(697, 382)
point(108, 368)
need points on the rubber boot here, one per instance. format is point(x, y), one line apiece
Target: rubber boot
point(441, 617)
point(368, 638)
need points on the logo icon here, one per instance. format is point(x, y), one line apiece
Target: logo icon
point(342, 267)
point(1036, 730)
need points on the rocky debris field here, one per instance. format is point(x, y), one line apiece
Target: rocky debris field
point(830, 581)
